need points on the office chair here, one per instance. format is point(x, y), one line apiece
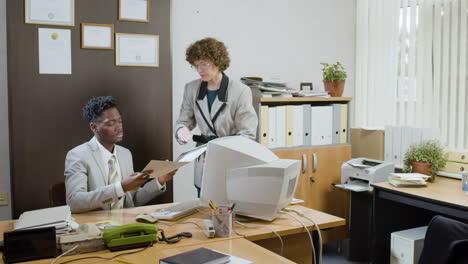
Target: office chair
point(57, 194)
point(446, 242)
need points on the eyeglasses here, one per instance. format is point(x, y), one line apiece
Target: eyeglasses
point(202, 66)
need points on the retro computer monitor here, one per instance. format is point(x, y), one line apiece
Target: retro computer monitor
point(241, 170)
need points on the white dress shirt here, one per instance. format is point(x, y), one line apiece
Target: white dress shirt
point(106, 155)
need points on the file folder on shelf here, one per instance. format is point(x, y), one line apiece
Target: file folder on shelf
point(264, 128)
point(272, 138)
point(289, 125)
point(343, 123)
point(298, 125)
point(281, 126)
point(461, 157)
point(336, 123)
point(321, 125)
point(396, 139)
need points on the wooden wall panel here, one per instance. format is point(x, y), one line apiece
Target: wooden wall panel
point(45, 110)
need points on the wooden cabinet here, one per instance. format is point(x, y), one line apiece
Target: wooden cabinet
point(321, 167)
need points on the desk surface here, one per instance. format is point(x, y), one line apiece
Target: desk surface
point(444, 190)
point(235, 245)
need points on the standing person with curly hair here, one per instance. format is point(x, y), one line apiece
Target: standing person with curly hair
point(218, 105)
point(99, 173)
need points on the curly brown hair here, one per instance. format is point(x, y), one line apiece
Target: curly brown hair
point(209, 49)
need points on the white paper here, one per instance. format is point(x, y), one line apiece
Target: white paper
point(191, 155)
point(97, 37)
point(54, 51)
point(137, 50)
point(408, 176)
point(50, 11)
point(134, 10)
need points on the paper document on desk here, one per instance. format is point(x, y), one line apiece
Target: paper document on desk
point(408, 176)
point(192, 154)
point(160, 167)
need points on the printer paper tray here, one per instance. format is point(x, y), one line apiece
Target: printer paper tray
point(355, 187)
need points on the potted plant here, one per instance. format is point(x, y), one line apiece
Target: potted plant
point(427, 157)
point(334, 77)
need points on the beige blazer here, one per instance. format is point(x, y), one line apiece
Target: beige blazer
point(232, 113)
point(87, 184)
point(232, 109)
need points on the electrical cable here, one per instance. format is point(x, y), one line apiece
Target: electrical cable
point(63, 254)
point(308, 233)
point(122, 254)
point(267, 227)
point(180, 223)
point(316, 228)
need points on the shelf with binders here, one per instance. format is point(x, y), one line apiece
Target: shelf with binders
point(298, 122)
point(315, 131)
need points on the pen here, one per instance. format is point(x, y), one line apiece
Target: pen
point(210, 203)
point(232, 207)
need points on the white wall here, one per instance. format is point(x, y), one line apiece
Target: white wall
point(274, 39)
point(5, 211)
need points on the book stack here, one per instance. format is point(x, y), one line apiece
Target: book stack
point(407, 179)
point(60, 217)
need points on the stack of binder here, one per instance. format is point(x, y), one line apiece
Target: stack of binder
point(303, 125)
point(60, 217)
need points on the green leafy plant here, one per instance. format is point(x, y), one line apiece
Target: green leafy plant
point(335, 72)
point(429, 151)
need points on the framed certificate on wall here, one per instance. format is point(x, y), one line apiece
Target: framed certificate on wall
point(49, 12)
point(97, 36)
point(136, 50)
point(134, 10)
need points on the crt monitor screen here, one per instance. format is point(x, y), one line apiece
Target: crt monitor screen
point(241, 170)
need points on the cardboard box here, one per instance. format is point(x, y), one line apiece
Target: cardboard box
point(367, 143)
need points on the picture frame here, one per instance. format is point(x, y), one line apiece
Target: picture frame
point(134, 10)
point(136, 50)
point(49, 12)
point(97, 36)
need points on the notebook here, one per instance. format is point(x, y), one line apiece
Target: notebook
point(197, 256)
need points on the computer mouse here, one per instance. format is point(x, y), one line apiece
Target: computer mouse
point(146, 218)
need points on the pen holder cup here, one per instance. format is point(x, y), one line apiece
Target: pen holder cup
point(223, 221)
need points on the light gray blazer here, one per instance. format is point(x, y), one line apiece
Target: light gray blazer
point(87, 183)
point(237, 117)
point(232, 111)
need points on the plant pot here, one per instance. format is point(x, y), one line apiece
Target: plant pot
point(423, 168)
point(334, 88)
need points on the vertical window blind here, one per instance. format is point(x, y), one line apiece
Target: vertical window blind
point(411, 66)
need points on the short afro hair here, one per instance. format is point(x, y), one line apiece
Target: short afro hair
point(95, 106)
point(209, 49)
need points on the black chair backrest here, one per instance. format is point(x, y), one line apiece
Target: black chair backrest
point(446, 242)
point(57, 194)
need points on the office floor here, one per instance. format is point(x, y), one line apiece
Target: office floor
point(333, 254)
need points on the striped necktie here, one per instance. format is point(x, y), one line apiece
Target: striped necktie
point(114, 178)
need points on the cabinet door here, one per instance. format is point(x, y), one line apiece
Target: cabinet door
point(303, 187)
point(326, 170)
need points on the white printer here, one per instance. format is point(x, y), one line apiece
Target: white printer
point(358, 174)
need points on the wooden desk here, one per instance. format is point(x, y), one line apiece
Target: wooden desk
point(235, 245)
point(400, 208)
